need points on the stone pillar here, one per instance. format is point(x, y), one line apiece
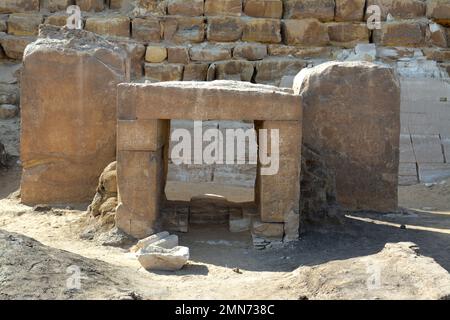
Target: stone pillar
point(68, 106)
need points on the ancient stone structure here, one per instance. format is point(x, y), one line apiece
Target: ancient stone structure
point(142, 143)
point(68, 104)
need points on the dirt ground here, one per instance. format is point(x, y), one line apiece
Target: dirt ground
point(323, 264)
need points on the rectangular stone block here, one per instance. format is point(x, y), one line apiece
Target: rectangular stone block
point(224, 29)
point(306, 32)
point(250, 51)
point(91, 5)
point(350, 10)
point(24, 24)
point(164, 71)
point(400, 34)
point(289, 138)
point(223, 7)
point(57, 19)
point(111, 26)
point(301, 9)
point(209, 53)
point(12, 6)
point(184, 29)
point(56, 5)
point(427, 148)
point(262, 30)
point(239, 70)
point(148, 29)
point(271, 231)
point(185, 7)
point(142, 135)
point(178, 55)
point(195, 72)
point(406, 149)
point(433, 172)
point(400, 9)
point(348, 34)
point(264, 8)
point(271, 70)
point(439, 11)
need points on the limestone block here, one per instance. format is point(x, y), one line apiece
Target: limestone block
point(437, 54)
point(439, 11)
point(264, 8)
point(437, 35)
point(301, 9)
point(58, 19)
point(355, 123)
point(184, 29)
point(148, 29)
point(348, 34)
point(271, 70)
point(238, 223)
point(118, 26)
point(24, 24)
point(56, 5)
point(164, 71)
point(262, 30)
point(178, 55)
point(8, 111)
point(166, 243)
point(400, 33)
point(123, 4)
point(350, 10)
point(185, 7)
point(400, 9)
point(91, 5)
point(3, 25)
point(239, 70)
point(209, 53)
point(250, 51)
point(291, 226)
point(68, 114)
point(305, 32)
point(306, 53)
point(143, 243)
point(136, 53)
point(141, 135)
point(14, 46)
point(195, 72)
point(223, 7)
point(12, 6)
point(155, 53)
point(224, 29)
point(164, 259)
point(272, 231)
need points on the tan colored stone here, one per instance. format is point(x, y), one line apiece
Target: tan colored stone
point(305, 53)
point(24, 24)
point(195, 72)
point(184, 29)
point(223, 7)
point(400, 9)
point(262, 30)
point(437, 35)
point(58, 19)
point(56, 5)
point(136, 53)
point(141, 135)
point(68, 115)
point(250, 51)
point(156, 54)
point(13, 6)
point(91, 5)
point(439, 11)
point(264, 8)
point(439, 55)
point(209, 53)
point(348, 34)
point(224, 29)
point(178, 55)
point(305, 32)
point(355, 123)
point(14, 46)
point(117, 26)
point(185, 7)
point(271, 70)
point(239, 70)
point(3, 25)
point(120, 4)
point(163, 71)
point(272, 231)
point(148, 29)
point(322, 10)
point(350, 10)
point(150, 7)
point(400, 34)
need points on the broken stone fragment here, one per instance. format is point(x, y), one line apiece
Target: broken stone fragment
point(164, 259)
point(143, 243)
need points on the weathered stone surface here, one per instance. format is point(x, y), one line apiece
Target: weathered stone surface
point(141, 135)
point(239, 70)
point(163, 71)
point(223, 7)
point(24, 24)
point(117, 26)
point(156, 54)
point(175, 216)
point(184, 29)
point(301, 9)
point(350, 10)
point(355, 123)
point(14, 46)
point(148, 29)
point(402, 33)
point(291, 226)
point(136, 54)
point(437, 35)
point(437, 54)
point(3, 25)
point(271, 70)
point(164, 259)
point(8, 111)
point(209, 209)
point(250, 51)
point(91, 5)
point(348, 34)
point(265, 230)
point(312, 52)
point(178, 55)
point(11, 6)
point(105, 199)
point(237, 222)
point(9, 94)
point(62, 159)
point(195, 72)
point(57, 19)
point(439, 11)
point(262, 30)
point(224, 29)
point(209, 53)
point(185, 7)
point(143, 243)
point(305, 32)
point(400, 9)
point(264, 8)
point(56, 5)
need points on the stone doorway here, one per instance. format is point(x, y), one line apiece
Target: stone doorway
point(144, 112)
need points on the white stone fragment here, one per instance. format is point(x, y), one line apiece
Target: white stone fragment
point(164, 259)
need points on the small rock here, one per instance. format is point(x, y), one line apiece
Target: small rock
point(164, 259)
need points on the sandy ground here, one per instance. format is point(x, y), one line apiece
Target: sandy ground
point(225, 265)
